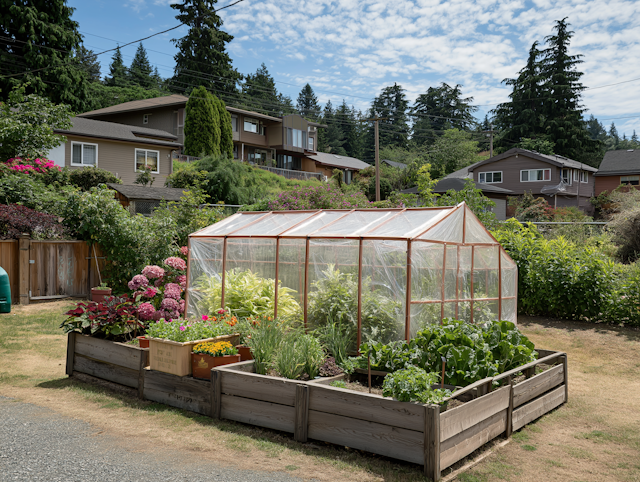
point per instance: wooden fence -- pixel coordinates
(49, 270)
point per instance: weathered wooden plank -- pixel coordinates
(302, 413)
(176, 400)
(106, 371)
(184, 388)
(107, 351)
(549, 360)
(565, 363)
(245, 366)
(71, 345)
(461, 418)
(216, 393)
(259, 387)
(464, 443)
(144, 356)
(537, 385)
(432, 442)
(327, 380)
(256, 412)
(372, 437)
(366, 406)
(469, 388)
(538, 407)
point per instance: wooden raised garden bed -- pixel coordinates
(315, 410)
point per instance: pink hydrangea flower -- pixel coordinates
(153, 271)
(150, 293)
(158, 282)
(182, 281)
(181, 307)
(138, 281)
(184, 251)
(172, 290)
(176, 263)
(146, 311)
(169, 304)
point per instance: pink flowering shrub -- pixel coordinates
(41, 166)
(184, 251)
(160, 290)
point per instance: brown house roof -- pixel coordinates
(559, 161)
(457, 184)
(120, 132)
(342, 162)
(135, 192)
(134, 105)
(620, 163)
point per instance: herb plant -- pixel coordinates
(414, 384)
(264, 342)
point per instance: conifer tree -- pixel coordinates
(394, 130)
(202, 58)
(140, 71)
(88, 62)
(50, 72)
(307, 105)
(346, 117)
(119, 75)
(259, 93)
(226, 130)
(200, 124)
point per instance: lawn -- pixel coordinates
(595, 437)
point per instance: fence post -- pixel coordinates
(301, 427)
(432, 442)
(23, 268)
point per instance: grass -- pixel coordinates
(596, 436)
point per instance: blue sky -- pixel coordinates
(351, 49)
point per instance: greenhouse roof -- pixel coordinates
(456, 225)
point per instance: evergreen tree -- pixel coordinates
(202, 58)
(307, 105)
(595, 129)
(259, 94)
(394, 130)
(157, 79)
(140, 71)
(439, 109)
(226, 129)
(200, 124)
(346, 117)
(50, 72)
(634, 137)
(333, 137)
(88, 62)
(216, 132)
(119, 75)
(613, 133)
(562, 97)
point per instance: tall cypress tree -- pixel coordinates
(202, 58)
(307, 105)
(200, 124)
(26, 26)
(140, 70)
(226, 130)
(119, 74)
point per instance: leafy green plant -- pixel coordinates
(113, 318)
(311, 353)
(186, 330)
(414, 384)
(89, 177)
(337, 338)
(288, 360)
(338, 384)
(334, 299)
(264, 342)
(246, 294)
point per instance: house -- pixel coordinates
(325, 163)
(117, 148)
(562, 181)
(285, 145)
(144, 199)
(457, 183)
(616, 168)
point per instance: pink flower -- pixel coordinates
(176, 263)
(150, 293)
(153, 271)
(172, 290)
(158, 282)
(181, 307)
(169, 304)
(138, 281)
(205, 318)
(184, 251)
(146, 311)
(182, 281)
(182, 328)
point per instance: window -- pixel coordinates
(235, 151)
(533, 175)
(263, 130)
(289, 162)
(566, 176)
(145, 119)
(251, 125)
(234, 123)
(296, 138)
(584, 176)
(147, 158)
(631, 180)
(84, 154)
(490, 177)
(311, 144)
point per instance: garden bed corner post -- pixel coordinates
(216, 394)
(301, 427)
(71, 352)
(432, 442)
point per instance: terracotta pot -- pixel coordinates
(201, 365)
(245, 352)
(98, 294)
(144, 341)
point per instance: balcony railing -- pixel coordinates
(291, 174)
(185, 158)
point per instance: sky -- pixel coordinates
(351, 49)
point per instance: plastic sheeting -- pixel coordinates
(457, 269)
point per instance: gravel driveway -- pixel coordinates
(37, 444)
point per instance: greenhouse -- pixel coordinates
(387, 272)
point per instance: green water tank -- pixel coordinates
(5, 292)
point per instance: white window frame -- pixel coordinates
(628, 181)
(570, 176)
(493, 173)
(81, 144)
(249, 120)
(310, 146)
(135, 159)
(528, 171)
(585, 175)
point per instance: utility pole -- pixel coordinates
(490, 132)
(376, 120)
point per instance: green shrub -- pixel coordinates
(89, 177)
(337, 338)
(413, 384)
(311, 353)
(32, 192)
(288, 360)
(265, 342)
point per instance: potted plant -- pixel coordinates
(100, 293)
(211, 354)
(143, 341)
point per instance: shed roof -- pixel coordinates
(455, 225)
(400, 165)
(334, 160)
(134, 192)
(620, 163)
